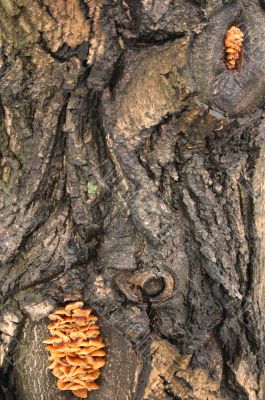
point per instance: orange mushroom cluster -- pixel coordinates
(76, 349)
(233, 46)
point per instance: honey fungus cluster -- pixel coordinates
(76, 349)
(233, 46)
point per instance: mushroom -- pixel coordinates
(78, 371)
(75, 349)
(52, 339)
(92, 386)
(76, 361)
(91, 376)
(62, 335)
(71, 306)
(84, 351)
(98, 353)
(233, 45)
(96, 343)
(54, 324)
(82, 312)
(98, 362)
(55, 317)
(80, 393)
(77, 335)
(92, 333)
(80, 320)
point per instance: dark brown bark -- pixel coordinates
(132, 166)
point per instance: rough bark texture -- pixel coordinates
(132, 170)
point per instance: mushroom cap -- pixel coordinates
(92, 333)
(61, 311)
(65, 320)
(80, 393)
(92, 386)
(56, 372)
(80, 320)
(90, 360)
(54, 324)
(92, 376)
(99, 362)
(54, 364)
(76, 361)
(63, 385)
(92, 326)
(96, 343)
(71, 306)
(75, 343)
(52, 339)
(84, 351)
(56, 354)
(62, 335)
(55, 317)
(65, 370)
(76, 386)
(99, 353)
(77, 335)
(78, 371)
(82, 312)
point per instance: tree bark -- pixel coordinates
(132, 170)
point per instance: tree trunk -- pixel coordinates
(132, 176)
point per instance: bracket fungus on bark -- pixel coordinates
(231, 91)
(233, 46)
(76, 349)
